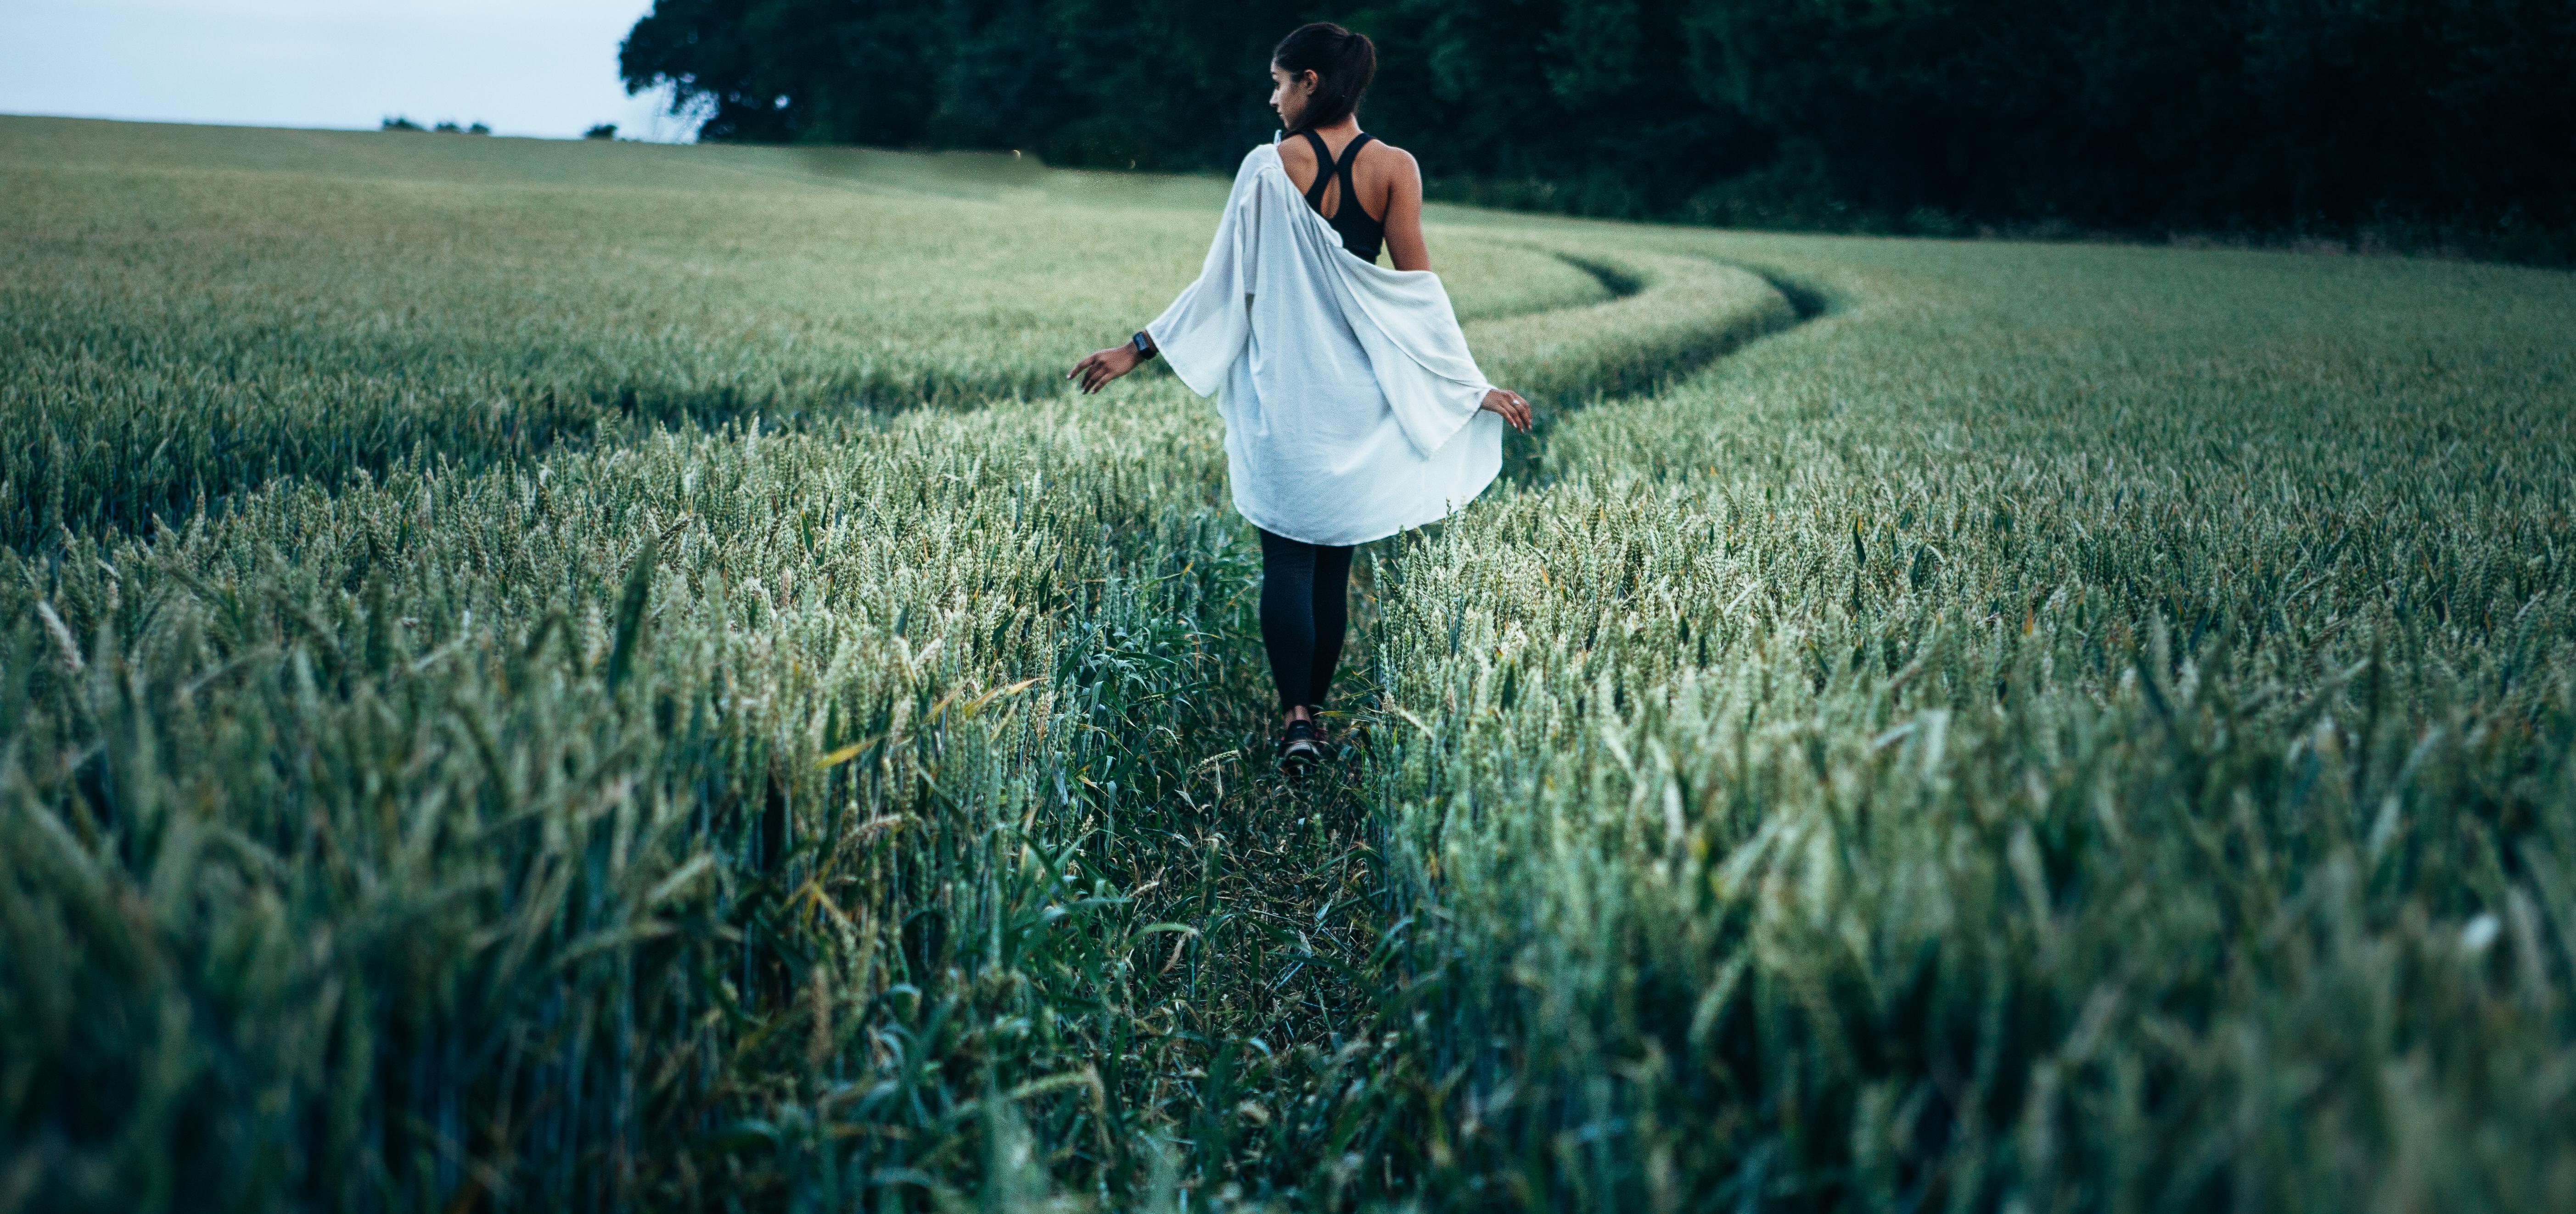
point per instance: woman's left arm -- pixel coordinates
(1404, 245)
(1101, 366)
(1200, 334)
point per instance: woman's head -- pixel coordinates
(1318, 73)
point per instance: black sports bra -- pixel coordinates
(1363, 236)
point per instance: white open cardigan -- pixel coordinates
(1351, 405)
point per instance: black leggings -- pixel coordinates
(1305, 608)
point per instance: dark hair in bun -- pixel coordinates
(1343, 63)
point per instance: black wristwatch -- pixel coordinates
(1144, 345)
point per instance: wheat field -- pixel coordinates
(596, 676)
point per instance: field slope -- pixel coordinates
(545, 675)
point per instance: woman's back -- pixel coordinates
(1331, 168)
(1342, 384)
(1352, 407)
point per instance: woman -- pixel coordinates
(1352, 408)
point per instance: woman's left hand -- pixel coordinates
(1101, 366)
(1510, 406)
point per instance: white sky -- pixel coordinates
(530, 67)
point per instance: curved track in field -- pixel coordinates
(1277, 880)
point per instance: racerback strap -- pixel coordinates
(1327, 168)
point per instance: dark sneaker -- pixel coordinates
(1299, 747)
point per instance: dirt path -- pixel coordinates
(1271, 999)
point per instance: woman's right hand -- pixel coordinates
(1509, 405)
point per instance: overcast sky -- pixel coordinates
(526, 67)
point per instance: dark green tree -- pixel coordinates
(1928, 114)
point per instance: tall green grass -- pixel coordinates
(184, 319)
(444, 789)
(2062, 727)
(2073, 729)
(465, 833)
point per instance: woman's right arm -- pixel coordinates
(1405, 248)
(1508, 405)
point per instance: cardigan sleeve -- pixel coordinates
(1416, 350)
(1204, 330)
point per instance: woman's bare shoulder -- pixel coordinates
(1390, 158)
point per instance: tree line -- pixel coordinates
(2443, 116)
